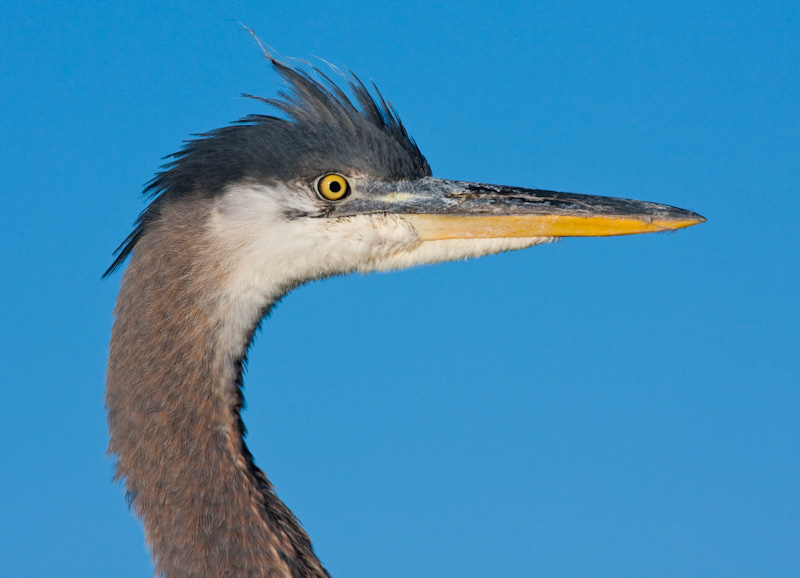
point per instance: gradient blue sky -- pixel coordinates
(599, 407)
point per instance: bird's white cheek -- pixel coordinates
(263, 248)
(367, 242)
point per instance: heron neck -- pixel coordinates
(174, 399)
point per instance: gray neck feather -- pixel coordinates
(173, 398)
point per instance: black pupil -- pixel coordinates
(335, 187)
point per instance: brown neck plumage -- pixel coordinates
(173, 397)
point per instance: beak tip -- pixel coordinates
(681, 219)
(696, 219)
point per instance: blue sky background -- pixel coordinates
(600, 407)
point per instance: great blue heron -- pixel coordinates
(240, 216)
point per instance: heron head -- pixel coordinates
(333, 183)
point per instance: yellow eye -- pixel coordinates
(333, 187)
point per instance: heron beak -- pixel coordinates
(443, 209)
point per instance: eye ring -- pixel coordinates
(332, 187)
